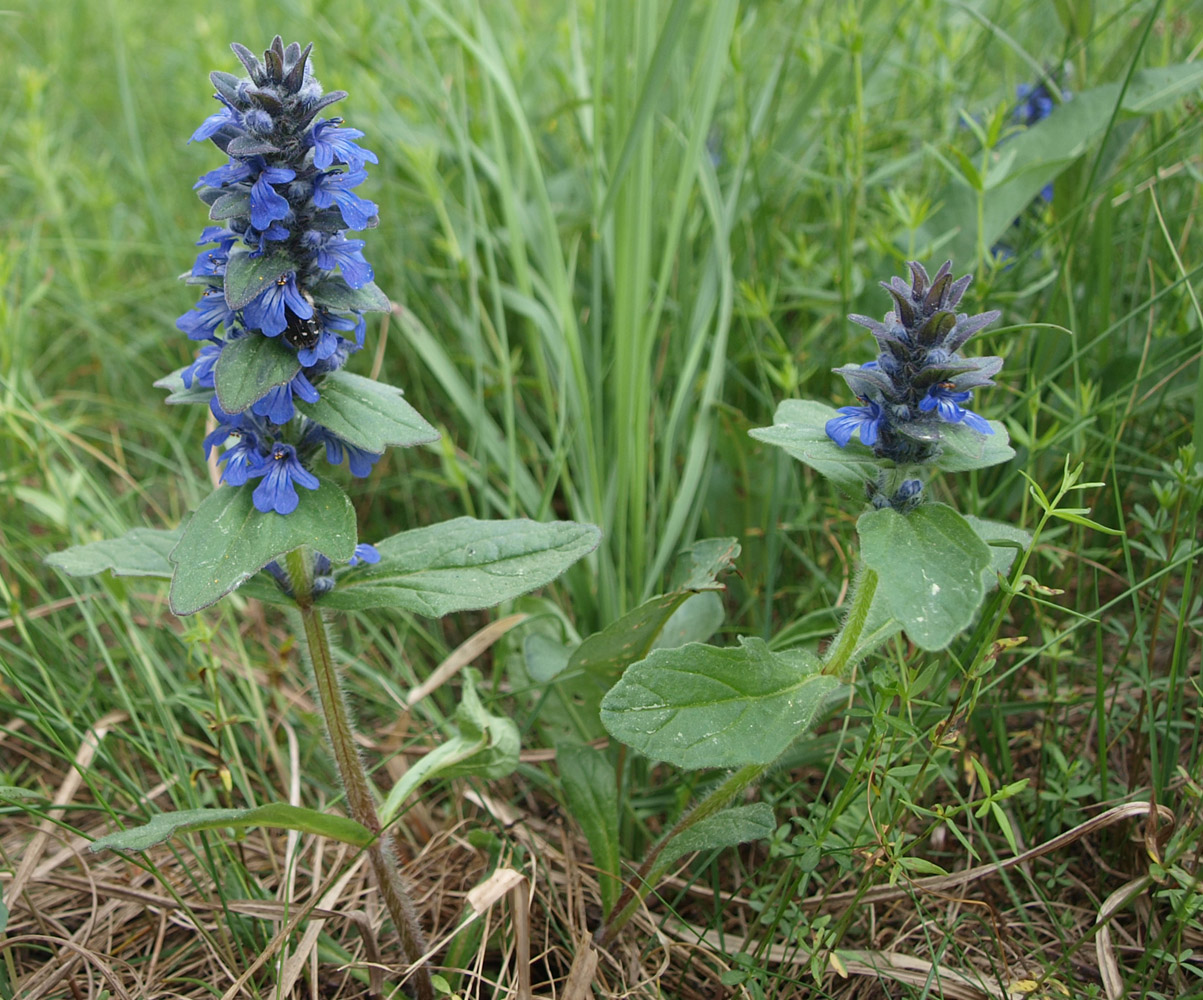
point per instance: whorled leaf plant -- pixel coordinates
(283, 295)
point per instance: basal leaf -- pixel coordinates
(249, 368)
(728, 828)
(227, 540)
(276, 814)
(799, 429)
(461, 565)
(591, 791)
(701, 706)
(366, 413)
(929, 565)
(249, 275)
(139, 552)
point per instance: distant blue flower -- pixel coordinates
(332, 143)
(864, 420)
(266, 312)
(364, 553)
(335, 189)
(280, 471)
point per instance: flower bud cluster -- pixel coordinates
(915, 387)
(285, 191)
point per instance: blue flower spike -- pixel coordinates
(285, 189)
(916, 385)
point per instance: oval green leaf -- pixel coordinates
(929, 565)
(248, 275)
(366, 413)
(461, 565)
(334, 293)
(249, 368)
(227, 540)
(701, 706)
(799, 428)
(139, 552)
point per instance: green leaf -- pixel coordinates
(3, 916)
(462, 565)
(621, 643)
(139, 552)
(15, 793)
(728, 828)
(694, 621)
(483, 745)
(230, 205)
(544, 657)
(799, 427)
(274, 814)
(700, 706)
(1006, 542)
(228, 540)
(608, 652)
(699, 565)
(180, 393)
(963, 449)
(247, 276)
(591, 792)
(930, 566)
(367, 414)
(334, 293)
(249, 368)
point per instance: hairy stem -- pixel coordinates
(354, 779)
(650, 873)
(844, 645)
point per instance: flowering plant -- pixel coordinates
(284, 293)
(925, 570)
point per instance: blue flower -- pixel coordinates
(865, 420)
(277, 405)
(943, 398)
(338, 251)
(332, 143)
(364, 553)
(200, 372)
(211, 311)
(335, 189)
(287, 179)
(244, 459)
(359, 460)
(266, 205)
(280, 471)
(266, 312)
(919, 378)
